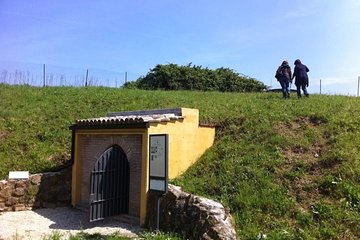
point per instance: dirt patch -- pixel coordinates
(302, 171)
(4, 134)
(301, 174)
(297, 127)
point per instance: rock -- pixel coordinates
(12, 201)
(36, 179)
(12, 182)
(19, 192)
(3, 184)
(6, 192)
(21, 184)
(2, 207)
(192, 216)
(19, 207)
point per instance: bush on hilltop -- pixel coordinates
(192, 77)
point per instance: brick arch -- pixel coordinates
(93, 146)
(124, 144)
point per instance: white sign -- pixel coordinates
(18, 174)
(157, 155)
(158, 162)
(158, 185)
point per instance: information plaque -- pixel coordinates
(158, 163)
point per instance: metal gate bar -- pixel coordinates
(109, 193)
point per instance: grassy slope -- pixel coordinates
(289, 169)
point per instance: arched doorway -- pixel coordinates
(109, 185)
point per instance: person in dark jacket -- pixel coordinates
(283, 75)
(301, 77)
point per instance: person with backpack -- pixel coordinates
(283, 75)
(301, 78)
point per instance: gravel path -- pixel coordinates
(65, 220)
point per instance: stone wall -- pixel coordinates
(52, 189)
(191, 216)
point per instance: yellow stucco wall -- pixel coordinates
(187, 142)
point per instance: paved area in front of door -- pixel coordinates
(66, 221)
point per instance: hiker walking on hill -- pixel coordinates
(283, 75)
(301, 77)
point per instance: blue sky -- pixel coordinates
(251, 37)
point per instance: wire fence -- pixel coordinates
(349, 86)
(51, 75)
(21, 73)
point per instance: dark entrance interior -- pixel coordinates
(109, 185)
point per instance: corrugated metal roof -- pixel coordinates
(133, 117)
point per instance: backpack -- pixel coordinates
(279, 73)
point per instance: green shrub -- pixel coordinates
(175, 77)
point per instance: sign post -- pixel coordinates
(158, 167)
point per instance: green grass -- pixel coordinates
(289, 169)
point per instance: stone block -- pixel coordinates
(6, 192)
(19, 207)
(12, 182)
(12, 201)
(19, 192)
(3, 184)
(25, 199)
(36, 179)
(22, 184)
(2, 207)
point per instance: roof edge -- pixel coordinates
(176, 111)
(109, 126)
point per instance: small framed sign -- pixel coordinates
(158, 163)
(19, 175)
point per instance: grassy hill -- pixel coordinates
(286, 169)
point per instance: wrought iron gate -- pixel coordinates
(109, 193)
